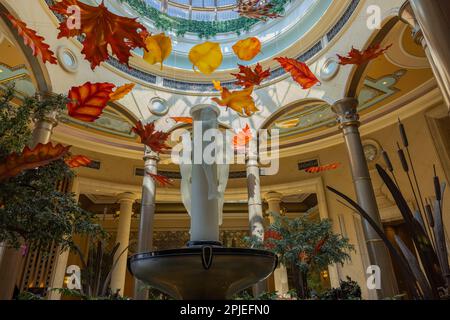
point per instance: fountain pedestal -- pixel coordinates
(203, 270)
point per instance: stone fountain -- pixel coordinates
(204, 269)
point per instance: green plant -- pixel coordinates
(97, 270)
(78, 295)
(348, 290)
(204, 29)
(33, 210)
(26, 295)
(246, 295)
(428, 276)
(304, 245)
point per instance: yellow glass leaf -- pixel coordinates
(247, 49)
(206, 57)
(240, 101)
(287, 124)
(158, 49)
(217, 85)
(121, 92)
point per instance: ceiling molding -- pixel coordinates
(422, 98)
(169, 195)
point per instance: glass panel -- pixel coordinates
(203, 15)
(185, 2)
(227, 15)
(178, 12)
(223, 3)
(210, 3)
(154, 3)
(197, 3)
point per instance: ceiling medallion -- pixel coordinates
(329, 69)
(67, 59)
(158, 106)
(372, 150)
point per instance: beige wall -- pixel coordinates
(424, 155)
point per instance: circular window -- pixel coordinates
(67, 59)
(158, 106)
(372, 150)
(329, 69)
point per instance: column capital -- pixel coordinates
(151, 155)
(407, 15)
(197, 110)
(251, 159)
(50, 117)
(347, 112)
(273, 196)
(127, 197)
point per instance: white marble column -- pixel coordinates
(126, 201)
(43, 130)
(348, 118)
(430, 20)
(255, 212)
(146, 225)
(280, 275)
(10, 258)
(59, 271)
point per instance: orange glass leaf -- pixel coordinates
(162, 181)
(356, 57)
(247, 49)
(269, 236)
(320, 244)
(78, 161)
(88, 101)
(303, 257)
(288, 124)
(319, 169)
(217, 85)
(102, 29)
(41, 155)
(248, 77)
(144, 34)
(240, 101)
(155, 140)
(33, 40)
(121, 92)
(299, 71)
(243, 137)
(182, 119)
(256, 9)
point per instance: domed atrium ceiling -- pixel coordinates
(184, 124)
(192, 21)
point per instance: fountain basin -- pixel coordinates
(203, 272)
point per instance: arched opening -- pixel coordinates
(36, 69)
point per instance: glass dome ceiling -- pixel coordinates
(200, 10)
(205, 18)
(276, 35)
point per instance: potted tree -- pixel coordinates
(33, 210)
(303, 245)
